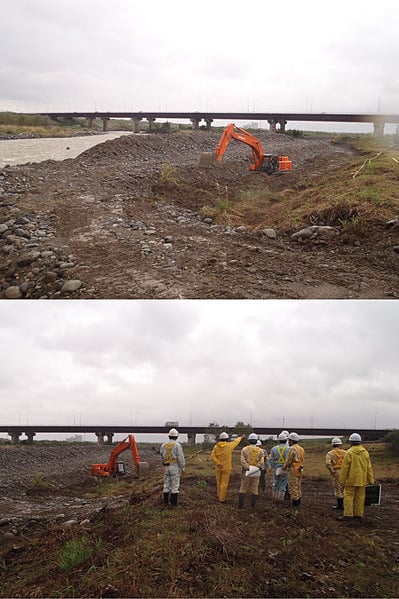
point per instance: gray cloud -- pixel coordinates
(321, 362)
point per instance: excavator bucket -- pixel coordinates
(207, 159)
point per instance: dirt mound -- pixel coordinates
(137, 217)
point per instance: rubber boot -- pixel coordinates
(254, 499)
(241, 500)
(296, 502)
(287, 494)
(173, 499)
(340, 503)
(166, 498)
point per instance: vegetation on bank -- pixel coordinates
(352, 197)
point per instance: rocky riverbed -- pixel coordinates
(112, 223)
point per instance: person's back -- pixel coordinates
(356, 467)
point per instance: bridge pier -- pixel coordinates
(282, 124)
(105, 120)
(379, 129)
(273, 125)
(15, 435)
(208, 124)
(151, 122)
(195, 121)
(136, 125)
(90, 121)
(191, 439)
(30, 437)
(104, 437)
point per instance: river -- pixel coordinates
(22, 151)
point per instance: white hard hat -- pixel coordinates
(355, 437)
(223, 436)
(259, 442)
(283, 436)
(286, 433)
(173, 433)
(336, 441)
(253, 437)
(293, 437)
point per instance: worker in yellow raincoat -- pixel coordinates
(356, 473)
(221, 456)
(294, 464)
(334, 459)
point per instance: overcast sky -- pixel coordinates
(226, 55)
(321, 363)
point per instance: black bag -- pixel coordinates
(373, 495)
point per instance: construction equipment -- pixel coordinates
(117, 468)
(265, 163)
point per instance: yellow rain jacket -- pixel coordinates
(356, 469)
(222, 452)
(334, 459)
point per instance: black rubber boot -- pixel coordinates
(296, 502)
(241, 500)
(340, 503)
(173, 499)
(254, 499)
(166, 498)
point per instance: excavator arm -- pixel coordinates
(115, 468)
(233, 132)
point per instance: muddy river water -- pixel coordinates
(22, 151)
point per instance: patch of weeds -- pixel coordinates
(371, 194)
(354, 225)
(76, 552)
(168, 175)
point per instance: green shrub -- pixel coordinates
(75, 553)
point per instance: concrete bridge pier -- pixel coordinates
(273, 125)
(191, 439)
(195, 121)
(104, 437)
(100, 438)
(282, 124)
(208, 124)
(379, 129)
(136, 125)
(30, 438)
(90, 121)
(105, 120)
(15, 437)
(151, 122)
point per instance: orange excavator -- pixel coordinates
(117, 468)
(265, 163)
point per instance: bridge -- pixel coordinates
(274, 119)
(105, 433)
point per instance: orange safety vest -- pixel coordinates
(298, 464)
(340, 454)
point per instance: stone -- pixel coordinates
(270, 233)
(396, 249)
(71, 286)
(13, 292)
(28, 258)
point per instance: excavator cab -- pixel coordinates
(269, 164)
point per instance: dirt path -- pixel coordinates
(104, 221)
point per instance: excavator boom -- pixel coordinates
(115, 468)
